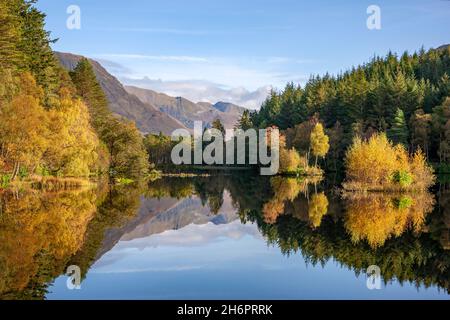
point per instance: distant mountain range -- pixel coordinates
(187, 111)
(155, 112)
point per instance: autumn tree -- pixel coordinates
(74, 147)
(319, 142)
(378, 164)
(127, 154)
(23, 127)
(318, 207)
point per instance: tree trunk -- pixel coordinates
(15, 171)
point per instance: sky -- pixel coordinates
(225, 261)
(237, 50)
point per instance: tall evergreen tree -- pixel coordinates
(399, 130)
(245, 122)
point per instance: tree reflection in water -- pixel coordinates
(406, 235)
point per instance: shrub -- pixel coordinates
(403, 202)
(290, 161)
(5, 181)
(402, 178)
(377, 164)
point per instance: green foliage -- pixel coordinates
(216, 124)
(403, 202)
(402, 178)
(5, 180)
(23, 172)
(245, 121)
(384, 95)
(399, 131)
(124, 181)
(159, 148)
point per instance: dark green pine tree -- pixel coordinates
(292, 110)
(34, 42)
(88, 88)
(245, 122)
(216, 124)
(399, 130)
(10, 56)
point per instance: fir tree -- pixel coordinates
(399, 130)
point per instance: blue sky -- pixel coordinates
(229, 261)
(235, 50)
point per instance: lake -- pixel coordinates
(224, 237)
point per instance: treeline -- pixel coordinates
(53, 123)
(405, 96)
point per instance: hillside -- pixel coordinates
(147, 117)
(187, 111)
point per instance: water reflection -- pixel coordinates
(41, 233)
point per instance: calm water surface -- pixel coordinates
(224, 237)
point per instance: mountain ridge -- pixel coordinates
(155, 112)
(187, 111)
(148, 118)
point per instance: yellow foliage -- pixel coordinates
(60, 139)
(23, 125)
(290, 160)
(319, 141)
(318, 207)
(37, 224)
(73, 151)
(371, 165)
(378, 217)
(285, 189)
(421, 171)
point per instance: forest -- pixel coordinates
(54, 124)
(57, 124)
(406, 96)
(391, 115)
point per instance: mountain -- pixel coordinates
(156, 216)
(148, 118)
(443, 47)
(228, 107)
(187, 111)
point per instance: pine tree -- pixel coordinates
(216, 124)
(245, 122)
(10, 56)
(88, 88)
(399, 130)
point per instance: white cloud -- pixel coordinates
(245, 81)
(193, 235)
(204, 91)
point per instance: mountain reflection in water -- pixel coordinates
(232, 225)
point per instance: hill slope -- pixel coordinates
(147, 117)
